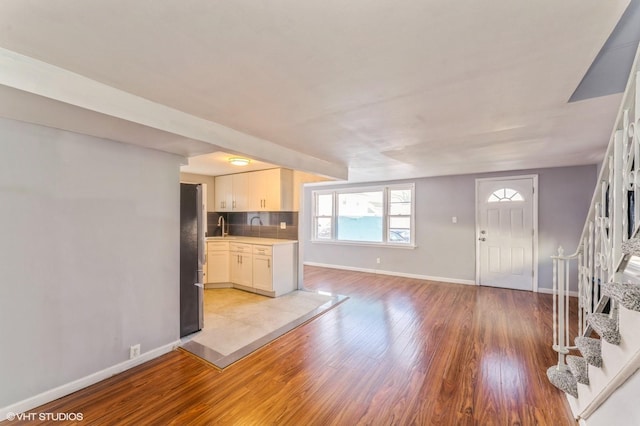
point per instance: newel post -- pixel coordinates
(559, 295)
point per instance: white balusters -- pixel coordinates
(610, 221)
(561, 334)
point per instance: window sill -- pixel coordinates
(365, 244)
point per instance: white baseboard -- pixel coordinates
(76, 385)
(550, 291)
(393, 273)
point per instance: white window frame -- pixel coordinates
(385, 189)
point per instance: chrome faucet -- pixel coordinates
(221, 224)
(251, 221)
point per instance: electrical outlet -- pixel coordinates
(283, 225)
(378, 260)
(134, 351)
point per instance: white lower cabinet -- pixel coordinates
(262, 271)
(271, 270)
(240, 264)
(217, 262)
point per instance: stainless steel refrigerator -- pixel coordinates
(191, 258)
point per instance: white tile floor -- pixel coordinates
(237, 322)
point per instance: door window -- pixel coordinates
(505, 194)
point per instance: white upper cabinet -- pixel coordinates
(240, 192)
(223, 193)
(271, 190)
(264, 190)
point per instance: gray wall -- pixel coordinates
(89, 248)
(447, 250)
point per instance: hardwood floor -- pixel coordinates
(398, 352)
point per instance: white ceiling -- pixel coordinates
(217, 163)
(388, 89)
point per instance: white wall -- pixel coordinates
(621, 408)
(447, 250)
(89, 255)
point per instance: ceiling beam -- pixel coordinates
(32, 76)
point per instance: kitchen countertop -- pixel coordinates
(251, 240)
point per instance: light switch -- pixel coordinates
(454, 219)
(283, 225)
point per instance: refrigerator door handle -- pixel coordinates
(199, 285)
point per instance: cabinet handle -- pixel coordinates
(269, 263)
(233, 204)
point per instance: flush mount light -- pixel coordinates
(236, 161)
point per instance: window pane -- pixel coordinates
(360, 204)
(400, 202)
(399, 236)
(400, 195)
(324, 228)
(400, 208)
(400, 222)
(360, 216)
(325, 205)
(505, 194)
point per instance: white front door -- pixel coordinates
(506, 231)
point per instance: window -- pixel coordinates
(324, 216)
(373, 215)
(505, 194)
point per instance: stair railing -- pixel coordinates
(613, 217)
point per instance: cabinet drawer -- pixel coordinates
(217, 246)
(263, 250)
(240, 247)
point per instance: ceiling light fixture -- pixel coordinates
(236, 161)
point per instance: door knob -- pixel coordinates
(482, 239)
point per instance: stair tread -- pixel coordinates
(563, 380)
(606, 327)
(631, 246)
(591, 350)
(578, 367)
(627, 294)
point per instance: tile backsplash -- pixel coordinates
(255, 224)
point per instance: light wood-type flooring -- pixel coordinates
(398, 352)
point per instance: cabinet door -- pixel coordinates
(217, 266)
(240, 192)
(223, 193)
(241, 269)
(262, 276)
(265, 190)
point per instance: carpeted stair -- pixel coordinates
(578, 367)
(591, 350)
(577, 370)
(563, 380)
(628, 295)
(631, 246)
(605, 326)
